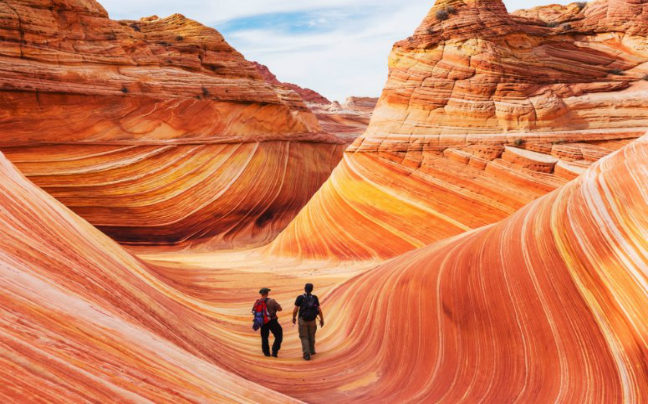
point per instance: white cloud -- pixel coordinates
(343, 53)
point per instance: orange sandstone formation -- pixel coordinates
(82, 320)
(483, 113)
(156, 130)
(547, 305)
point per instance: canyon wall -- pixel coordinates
(155, 130)
(483, 112)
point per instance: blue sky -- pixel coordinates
(336, 47)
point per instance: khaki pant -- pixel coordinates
(307, 330)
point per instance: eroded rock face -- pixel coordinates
(482, 70)
(151, 126)
(483, 113)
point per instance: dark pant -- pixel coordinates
(307, 330)
(277, 332)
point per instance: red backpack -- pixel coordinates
(261, 315)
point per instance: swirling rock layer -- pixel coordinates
(82, 320)
(398, 201)
(548, 305)
(199, 195)
(156, 130)
(483, 112)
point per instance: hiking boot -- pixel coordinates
(306, 356)
(274, 354)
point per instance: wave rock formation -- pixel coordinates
(483, 113)
(83, 320)
(547, 305)
(156, 131)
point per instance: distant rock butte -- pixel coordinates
(361, 104)
(157, 130)
(348, 120)
(483, 112)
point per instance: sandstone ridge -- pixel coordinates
(168, 130)
(483, 112)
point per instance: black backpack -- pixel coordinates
(308, 309)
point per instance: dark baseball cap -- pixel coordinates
(263, 291)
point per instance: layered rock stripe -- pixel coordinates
(483, 112)
(82, 320)
(547, 305)
(198, 196)
(162, 118)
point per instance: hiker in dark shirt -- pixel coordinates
(271, 326)
(308, 307)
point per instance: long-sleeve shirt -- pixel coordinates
(273, 307)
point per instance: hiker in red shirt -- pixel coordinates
(265, 317)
